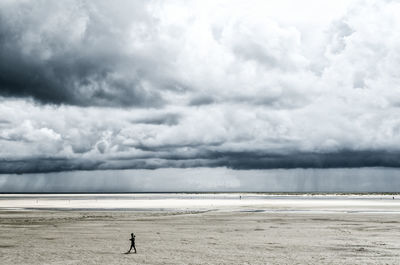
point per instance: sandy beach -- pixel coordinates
(199, 229)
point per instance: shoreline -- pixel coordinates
(204, 202)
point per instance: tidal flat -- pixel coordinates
(191, 229)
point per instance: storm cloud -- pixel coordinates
(70, 53)
(95, 85)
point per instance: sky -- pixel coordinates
(221, 86)
(327, 180)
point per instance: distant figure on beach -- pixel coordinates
(132, 242)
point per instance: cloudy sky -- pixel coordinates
(225, 85)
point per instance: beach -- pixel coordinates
(199, 229)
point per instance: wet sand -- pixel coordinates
(273, 231)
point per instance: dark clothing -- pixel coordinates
(132, 244)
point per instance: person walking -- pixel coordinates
(132, 243)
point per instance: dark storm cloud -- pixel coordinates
(45, 165)
(343, 159)
(83, 83)
(233, 160)
(264, 160)
(82, 68)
